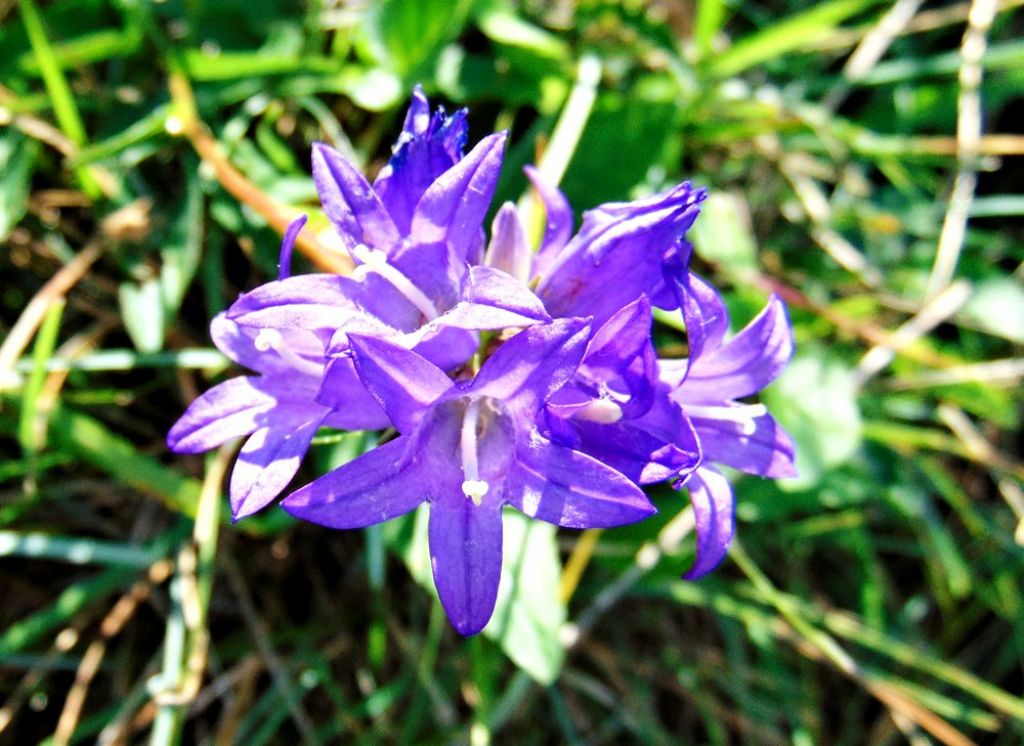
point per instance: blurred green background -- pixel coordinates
(864, 160)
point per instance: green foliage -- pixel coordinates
(875, 599)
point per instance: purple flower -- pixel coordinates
(277, 409)
(616, 409)
(562, 412)
(708, 387)
(467, 449)
(623, 250)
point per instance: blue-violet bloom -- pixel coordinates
(467, 449)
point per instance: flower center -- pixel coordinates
(472, 487)
(271, 340)
(375, 260)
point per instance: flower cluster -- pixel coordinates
(500, 375)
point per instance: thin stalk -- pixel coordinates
(64, 106)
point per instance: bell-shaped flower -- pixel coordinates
(616, 409)
(276, 409)
(623, 250)
(468, 448)
(709, 386)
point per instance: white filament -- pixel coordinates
(374, 260)
(271, 340)
(473, 487)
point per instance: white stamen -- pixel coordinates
(743, 414)
(601, 411)
(473, 487)
(374, 260)
(268, 340)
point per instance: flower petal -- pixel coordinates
(619, 254)
(746, 363)
(745, 437)
(508, 250)
(558, 216)
(350, 202)
(403, 382)
(374, 488)
(235, 342)
(322, 303)
(713, 512)
(493, 287)
(534, 364)
(453, 207)
(352, 406)
(228, 410)
(657, 446)
(465, 555)
(428, 146)
(568, 488)
(269, 459)
(707, 320)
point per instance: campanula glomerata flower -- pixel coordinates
(468, 448)
(502, 374)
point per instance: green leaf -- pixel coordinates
(142, 307)
(182, 248)
(625, 137)
(18, 156)
(504, 27)
(997, 307)
(408, 35)
(815, 399)
(784, 36)
(148, 304)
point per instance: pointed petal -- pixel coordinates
(448, 348)
(707, 320)
(568, 488)
(508, 250)
(624, 335)
(374, 488)
(234, 341)
(745, 437)
(323, 303)
(619, 254)
(352, 406)
(621, 357)
(284, 264)
(428, 146)
(464, 317)
(493, 287)
(434, 269)
(535, 363)
(746, 363)
(350, 202)
(453, 207)
(404, 383)
(465, 554)
(228, 410)
(312, 302)
(713, 511)
(559, 219)
(269, 459)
